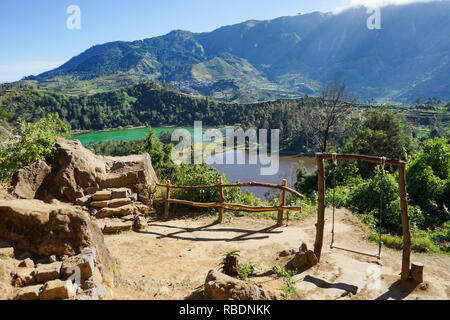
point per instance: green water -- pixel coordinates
(125, 134)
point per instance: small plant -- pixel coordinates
(246, 270)
(230, 264)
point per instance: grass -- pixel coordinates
(287, 275)
(420, 240)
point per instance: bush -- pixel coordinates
(201, 175)
(37, 142)
(365, 199)
(428, 180)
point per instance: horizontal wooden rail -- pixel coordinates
(220, 206)
(230, 205)
(247, 184)
(357, 157)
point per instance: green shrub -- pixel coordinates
(202, 175)
(37, 142)
(428, 181)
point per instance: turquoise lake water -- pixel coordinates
(124, 134)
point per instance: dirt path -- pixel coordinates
(170, 260)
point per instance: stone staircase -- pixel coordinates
(115, 210)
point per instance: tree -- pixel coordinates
(331, 108)
(382, 133)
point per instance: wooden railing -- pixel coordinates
(224, 205)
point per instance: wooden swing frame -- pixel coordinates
(320, 159)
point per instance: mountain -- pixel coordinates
(284, 57)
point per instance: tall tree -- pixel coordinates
(330, 109)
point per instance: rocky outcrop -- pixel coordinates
(27, 181)
(78, 172)
(219, 286)
(46, 229)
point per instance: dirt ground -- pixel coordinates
(170, 260)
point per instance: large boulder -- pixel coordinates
(26, 181)
(219, 286)
(78, 172)
(49, 229)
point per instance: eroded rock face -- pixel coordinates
(47, 229)
(78, 172)
(219, 286)
(27, 180)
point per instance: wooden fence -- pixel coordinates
(224, 205)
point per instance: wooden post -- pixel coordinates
(320, 205)
(222, 200)
(166, 204)
(417, 271)
(405, 223)
(282, 201)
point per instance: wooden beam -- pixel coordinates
(166, 204)
(406, 256)
(320, 206)
(357, 157)
(282, 199)
(247, 184)
(222, 200)
(242, 207)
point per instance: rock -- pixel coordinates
(79, 172)
(115, 203)
(6, 250)
(102, 195)
(286, 253)
(23, 277)
(299, 260)
(142, 208)
(82, 201)
(117, 212)
(99, 204)
(58, 289)
(116, 226)
(46, 229)
(120, 193)
(47, 272)
(27, 181)
(219, 286)
(28, 293)
(303, 247)
(23, 254)
(140, 223)
(312, 258)
(27, 263)
(85, 264)
(133, 197)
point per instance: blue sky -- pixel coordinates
(35, 38)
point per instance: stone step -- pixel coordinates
(102, 195)
(116, 226)
(114, 203)
(117, 212)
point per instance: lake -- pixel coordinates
(288, 165)
(124, 134)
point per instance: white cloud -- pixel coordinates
(16, 70)
(377, 3)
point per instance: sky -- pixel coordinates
(35, 38)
